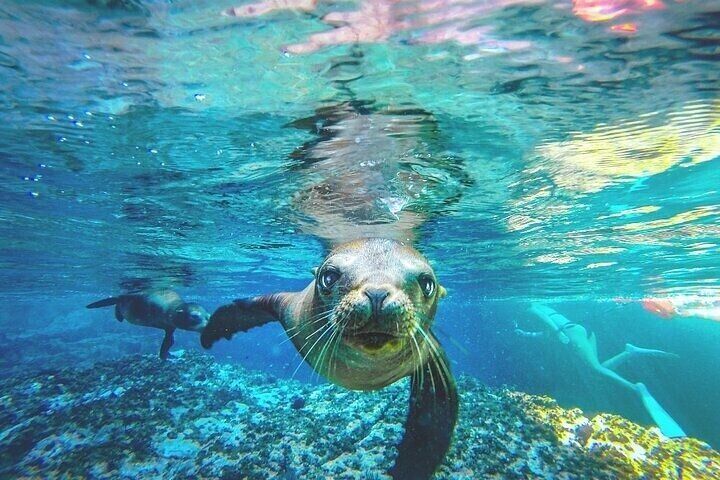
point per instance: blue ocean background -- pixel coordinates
(150, 144)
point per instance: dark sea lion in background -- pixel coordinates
(163, 309)
(364, 323)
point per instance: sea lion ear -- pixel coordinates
(441, 292)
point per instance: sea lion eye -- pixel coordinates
(327, 278)
(427, 284)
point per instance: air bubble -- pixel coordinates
(200, 97)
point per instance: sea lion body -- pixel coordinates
(364, 323)
(163, 309)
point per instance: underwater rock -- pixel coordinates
(298, 403)
(194, 418)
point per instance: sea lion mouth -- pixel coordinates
(374, 342)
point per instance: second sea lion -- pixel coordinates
(163, 309)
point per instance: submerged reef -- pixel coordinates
(191, 417)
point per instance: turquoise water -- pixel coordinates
(563, 152)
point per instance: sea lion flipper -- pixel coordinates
(106, 302)
(240, 316)
(430, 422)
(167, 342)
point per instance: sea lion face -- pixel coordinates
(380, 295)
(191, 316)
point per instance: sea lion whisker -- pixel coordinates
(418, 365)
(438, 361)
(432, 376)
(417, 369)
(312, 320)
(324, 350)
(300, 330)
(299, 349)
(315, 316)
(327, 327)
(338, 340)
(309, 337)
(297, 333)
(435, 356)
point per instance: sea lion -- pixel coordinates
(364, 323)
(163, 309)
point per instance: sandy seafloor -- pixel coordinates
(192, 417)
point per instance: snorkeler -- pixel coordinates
(584, 346)
(434, 21)
(163, 309)
(700, 306)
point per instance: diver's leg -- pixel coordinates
(632, 351)
(614, 376)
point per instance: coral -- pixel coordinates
(194, 418)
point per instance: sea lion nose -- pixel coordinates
(377, 296)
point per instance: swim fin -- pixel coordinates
(630, 348)
(660, 416)
(633, 351)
